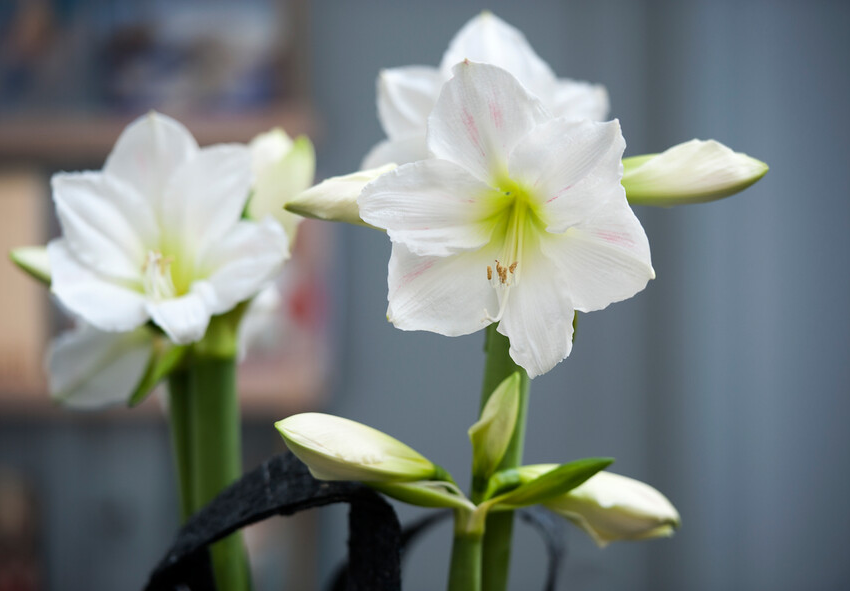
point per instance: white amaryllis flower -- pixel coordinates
(519, 219)
(335, 448)
(158, 235)
(610, 507)
(282, 169)
(407, 95)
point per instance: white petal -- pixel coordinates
(488, 39)
(184, 319)
(570, 169)
(268, 148)
(398, 151)
(205, 197)
(433, 207)
(281, 180)
(107, 224)
(482, 113)
(603, 260)
(89, 368)
(243, 262)
(148, 152)
(574, 99)
(405, 99)
(335, 198)
(538, 317)
(447, 295)
(692, 172)
(106, 305)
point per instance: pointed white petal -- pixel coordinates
(490, 40)
(268, 148)
(106, 305)
(405, 98)
(33, 260)
(184, 319)
(89, 368)
(447, 295)
(281, 180)
(603, 260)
(107, 224)
(433, 207)
(538, 317)
(240, 264)
(148, 152)
(570, 169)
(205, 197)
(481, 115)
(692, 172)
(335, 198)
(398, 151)
(574, 99)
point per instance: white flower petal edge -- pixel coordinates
(89, 368)
(407, 95)
(522, 221)
(146, 237)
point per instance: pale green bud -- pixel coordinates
(282, 169)
(610, 507)
(693, 172)
(33, 260)
(492, 433)
(339, 449)
(335, 199)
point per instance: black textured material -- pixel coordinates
(283, 486)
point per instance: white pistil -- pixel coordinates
(156, 276)
(506, 275)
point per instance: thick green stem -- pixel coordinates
(179, 393)
(499, 528)
(217, 455)
(465, 570)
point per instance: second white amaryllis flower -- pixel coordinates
(519, 219)
(158, 235)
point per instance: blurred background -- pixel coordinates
(724, 384)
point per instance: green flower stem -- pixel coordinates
(217, 454)
(499, 526)
(465, 570)
(181, 438)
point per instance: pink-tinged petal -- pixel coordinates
(405, 99)
(570, 169)
(538, 318)
(107, 224)
(206, 196)
(184, 319)
(433, 207)
(243, 262)
(574, 99)
(603, 260)
(490, 40)
(89, 368)
(102, 303)
(481, 115)
(148, 152)
(447, 295)
(400, 151)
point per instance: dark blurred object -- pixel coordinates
(19, 561)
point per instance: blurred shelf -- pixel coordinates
(67, 139)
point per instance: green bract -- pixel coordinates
(492, 433)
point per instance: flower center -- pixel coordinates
(156, 276)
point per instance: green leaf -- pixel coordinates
(165, 357)
(425, 493)
(492, 433)
(33, 261)
(553, 483)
